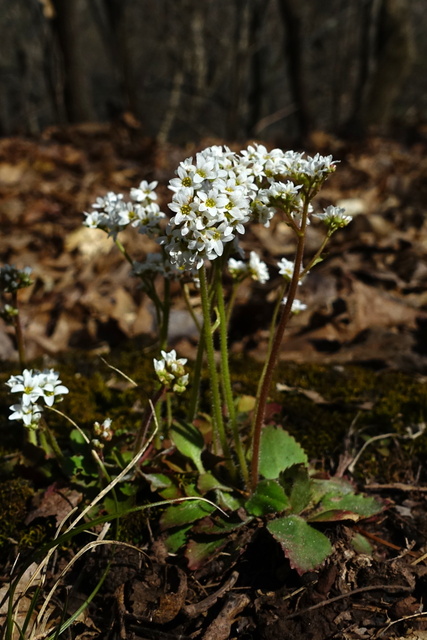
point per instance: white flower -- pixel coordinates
(29, 384)
(29, 414)
(258, 268)
(52, 387)
(170, 371)
(286, 268)
(103, 430)
(35, 386)
(212, 203)
(334, 217)
(238, 269)
(185, 173)
(284, 189)
(111, 214)
(297, 305)
(145, 192)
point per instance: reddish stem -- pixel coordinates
(275, 349)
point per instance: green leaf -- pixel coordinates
(184, 513)
(361, 544)
(336, 486)
(226, 501)
(165, 485)
(305, 547)
(208, 482)
(198, 552)
(177, 538)
(336, 500)
(278, 451)
(217, 525)
(348, 507)
(269, 497)
(189, 441)
(296, 482)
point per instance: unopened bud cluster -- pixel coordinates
(170, 371)
(13, 279)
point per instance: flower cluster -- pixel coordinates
(103, 430)
(112, 214)
(334, 217)
(35, 386)
(255, 268)
(286, 269)
(170, 371)
(211, 203)
(215, 195)
(12, 279)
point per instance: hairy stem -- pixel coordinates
(225, 372)
(219, 436)
(275, 348)
(197, 374)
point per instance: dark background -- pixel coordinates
(191, 69)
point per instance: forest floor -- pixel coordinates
(366, 307)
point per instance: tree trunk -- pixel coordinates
(292, 49)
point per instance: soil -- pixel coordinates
(367, 305)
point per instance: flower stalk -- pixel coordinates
(219, 436)
(225, 373)
(266, 379)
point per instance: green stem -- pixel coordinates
(197, 374)
(225, 372)
(316, 256)
(273, 324)
(31, 436)
(123, 251)
(189, 306)
(275, 349)
(219, 437)
(232, 301)
(52, 443)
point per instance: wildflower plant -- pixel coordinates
(259, 470)
(12, 280)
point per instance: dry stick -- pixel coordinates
(390, 624)
(193, 610)
(342, 596)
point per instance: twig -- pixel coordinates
(409, 436)
(193, 610)
(398, 486)
(342, 596)
(390, 624)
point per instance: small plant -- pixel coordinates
(228, 453)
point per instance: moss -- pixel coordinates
(14, 498)
(378, 402)
(374, 402)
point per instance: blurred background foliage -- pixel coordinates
(183, 70)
